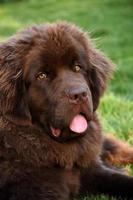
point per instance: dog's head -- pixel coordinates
(52, 76)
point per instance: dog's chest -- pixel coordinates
(72, 180)
(63, 184)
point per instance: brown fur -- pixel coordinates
(33, 163)
(116, 152)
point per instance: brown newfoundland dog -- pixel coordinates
(51, 146)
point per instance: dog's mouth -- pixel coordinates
(77, 127)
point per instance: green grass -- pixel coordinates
(102, 197)
(111, 23)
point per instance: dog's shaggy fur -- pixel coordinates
(50, 74)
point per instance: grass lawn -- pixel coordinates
(110, 22)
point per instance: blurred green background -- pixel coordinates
(110, 23)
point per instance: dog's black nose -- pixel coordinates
(77, 95)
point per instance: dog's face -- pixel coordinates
(63, 77)
(57, 87)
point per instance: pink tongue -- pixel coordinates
(78, 124)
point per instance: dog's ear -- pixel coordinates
(18, 112)
(100, 71)
(13, 104)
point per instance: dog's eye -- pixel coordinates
(76, 68)
(41, 76)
